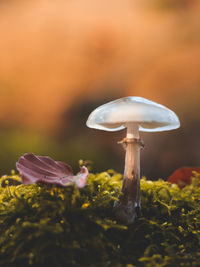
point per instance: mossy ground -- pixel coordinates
(45, 225)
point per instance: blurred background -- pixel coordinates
(61, 59)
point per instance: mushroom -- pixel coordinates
(136, 114)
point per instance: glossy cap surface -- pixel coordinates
(148, 115)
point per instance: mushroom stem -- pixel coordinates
(132, 163)
(129, 204)
(132, 131)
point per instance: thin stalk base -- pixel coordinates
(128, 206)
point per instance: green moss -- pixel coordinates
(45, 225)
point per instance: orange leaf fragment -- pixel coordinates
(182, 176)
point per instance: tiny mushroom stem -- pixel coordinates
(132, 130)
(132, 161)
(129, 204)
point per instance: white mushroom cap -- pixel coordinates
(150, 116)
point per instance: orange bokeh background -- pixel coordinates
(61, 59)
